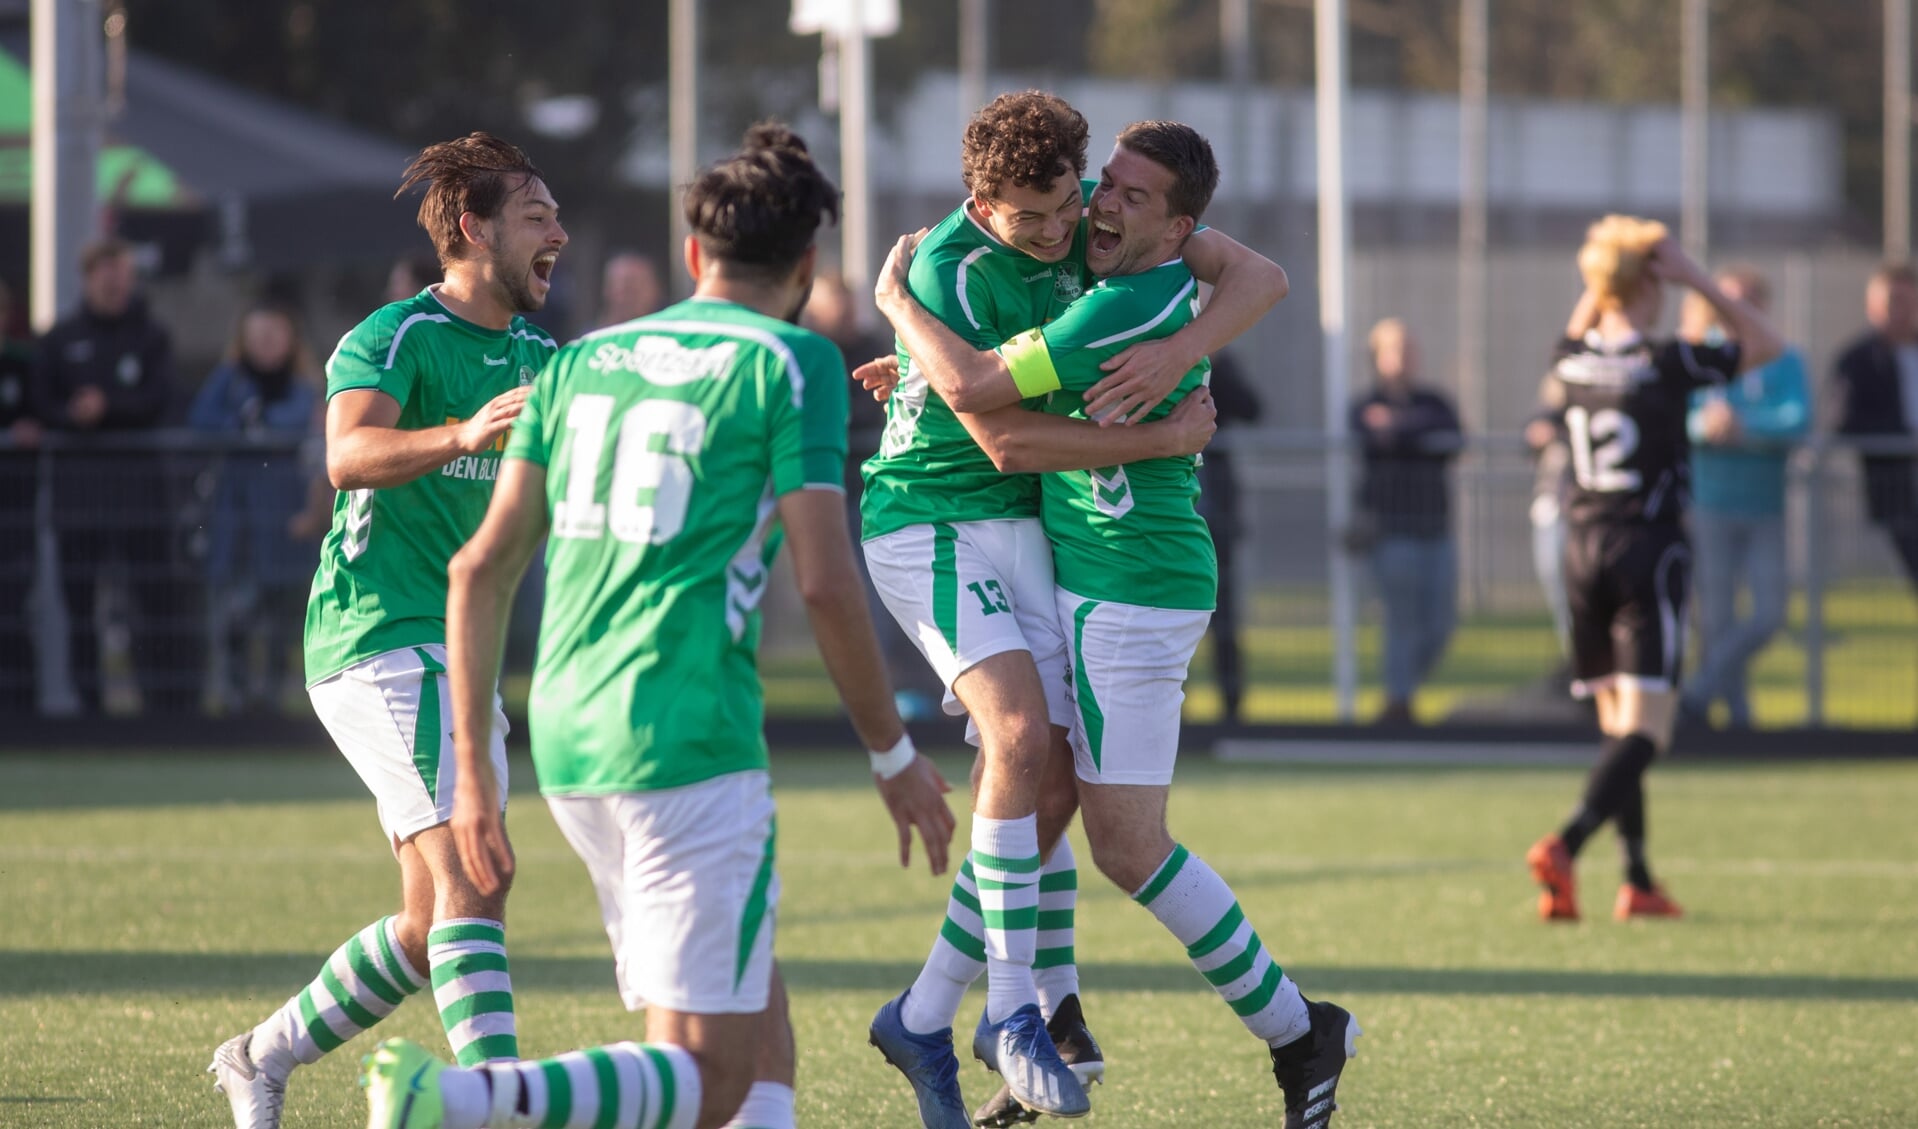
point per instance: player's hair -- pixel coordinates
(1612, 260)
(1186, 154)
(477, 173)
(760, 208)
(1895, 270)
(1029, 140)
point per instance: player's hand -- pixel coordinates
(1193, 423)
(879, 376)
(917, 798)
(479, 831)
(1668, 260)
(1137, 380)
(493, 420)
(890, 287)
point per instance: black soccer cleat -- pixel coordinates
(1077, 1049)
(1308, 1067)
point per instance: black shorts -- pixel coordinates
(1626, 585)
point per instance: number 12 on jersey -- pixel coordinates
(651, 488)
(1601, 441)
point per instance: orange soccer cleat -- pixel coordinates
(1634, 902)
(1551, 867)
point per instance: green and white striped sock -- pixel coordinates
(1005, 860)
(473, 988)
(958, 957)
(1198, 907)
(1055, 971)
(768, 1105)
(621, 1086)
(360, 984)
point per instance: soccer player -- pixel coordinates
(420, 397)
(1624, 394)
(1136, 581)
(956, 551)
(659, 455)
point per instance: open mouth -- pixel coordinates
(543, 266)
(1105, 238)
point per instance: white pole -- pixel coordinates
(855, 171)
(1897, 144)
(975, 55)
(1235, 33)
(682, 121)
(1694, 133)
(1334, 251)
(68, 119)
(1474, 385)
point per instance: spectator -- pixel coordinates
(19, 490)
(410, 275)
(629, 288)
(1874, 394)
(1409, 435)
(1741, 434)
(831, 312)
(101, 374)
(258, 566)
(1219, 506)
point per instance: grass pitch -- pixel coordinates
(150, 906)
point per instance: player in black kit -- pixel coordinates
(1627, 564)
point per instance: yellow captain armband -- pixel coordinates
(1030, 363)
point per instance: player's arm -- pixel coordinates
(829, 586)
(1245, 287)
(365, 450)
(481, 580)
(1584, 316)
(1027, 442)
(967, 379)
(1758, 343)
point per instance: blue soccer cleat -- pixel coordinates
(1019, 1050)
(927, 1062)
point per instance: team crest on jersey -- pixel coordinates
(1066, 284)
(1111, 492)
(525, 375)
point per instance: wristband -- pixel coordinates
(893, 761)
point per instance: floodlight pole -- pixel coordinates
(855, 169)
(1474, 385)
(1897, 143)
(1694, 132)
(682, 122)
(975, 55)
(69, 117)
(1235, 34)
(1334, 300)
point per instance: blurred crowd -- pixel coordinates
(144, 572)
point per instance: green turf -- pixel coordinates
(150, 906)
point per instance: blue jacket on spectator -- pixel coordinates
(1773, 403)
(258, 492)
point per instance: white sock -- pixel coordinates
(360, 984)
(768, 1105)
(1005, 861)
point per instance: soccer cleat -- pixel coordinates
(402, 1085)
(1308, 1067)
(258, 1098)
(927, 1061)
(1077, 1049)
(1551, 867)
(1019, 1049)
(1634, 902)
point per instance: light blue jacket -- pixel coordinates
(1747, 479)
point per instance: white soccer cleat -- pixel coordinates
(256, 1095)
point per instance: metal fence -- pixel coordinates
(158, 573)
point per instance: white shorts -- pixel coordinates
(687, 889)
(392, 716)
(968, 591)
(1128, 686)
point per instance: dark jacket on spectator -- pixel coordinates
(129, 357)
(1866, 398)
(258, 492)
(1237, 403)
(1405, 488)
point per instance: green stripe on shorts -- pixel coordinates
(945, 583)
(426, 725)
(1090, 715)
(754, 915)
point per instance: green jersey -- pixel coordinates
(667, 442)
(928, 468)
(1122, 534)
(381, 584)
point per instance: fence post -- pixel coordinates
(1815, 588)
